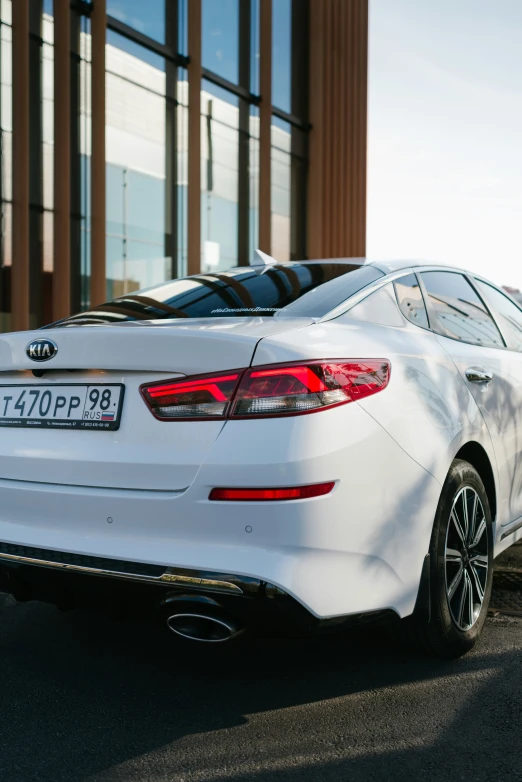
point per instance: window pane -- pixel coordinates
(221, 38)
(219, 178)
(182, 171)
(183, 27)
(459, 312)
(281, 54)
(335, 292)
(6, 11)
(411, 300)
(281, 188)
(6, 110)
(235, 293)
(253, 232)
(5, 266)
(81, 223)
(508, 315)
(148, 18)
(136, 169)
(379, 308)
(254, 47)
(288, 191)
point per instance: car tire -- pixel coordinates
(461, 567)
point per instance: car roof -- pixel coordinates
(389, 266)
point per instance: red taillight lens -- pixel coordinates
(262, 495)
(290, 389)
(205, 396)
(304, 388)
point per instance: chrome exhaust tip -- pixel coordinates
(204, 627)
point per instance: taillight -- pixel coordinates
(201, 397)
(303, 388)
(274, 495)
(289, 389)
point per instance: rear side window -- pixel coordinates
(296, 288)
(411, 300)
(379, 307)
(508, 315)
(457, 311)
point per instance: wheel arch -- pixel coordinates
(475, 454)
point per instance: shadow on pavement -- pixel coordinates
(83, 697)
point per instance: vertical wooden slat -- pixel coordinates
(194, 131)
(20, 258)
(265, 126)
(62, 161)
(363, 120)
(338, 109)
(326, 161)
(98, 175)
(314, 239)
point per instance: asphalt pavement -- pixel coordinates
(83, 697)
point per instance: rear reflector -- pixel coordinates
(262, 495)
(289, 389)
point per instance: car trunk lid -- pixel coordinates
(143, 453)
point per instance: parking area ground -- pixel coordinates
(86, 698)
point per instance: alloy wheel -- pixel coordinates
(466, 558)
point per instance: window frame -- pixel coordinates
(492, 310)
(432, 315)
(423, 295)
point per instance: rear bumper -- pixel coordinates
(126, 588)
(358, 549)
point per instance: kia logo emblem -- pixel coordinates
(41, 349)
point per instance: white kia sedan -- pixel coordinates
(282, 447)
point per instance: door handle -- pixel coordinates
(478, 375)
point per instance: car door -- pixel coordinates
(491, 370)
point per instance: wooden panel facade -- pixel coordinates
(338, 138)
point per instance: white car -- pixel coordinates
(291, 448)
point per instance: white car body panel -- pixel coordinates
(499, 402)
(141, 493)
(183, 346)
(343, 553)
(427, 409)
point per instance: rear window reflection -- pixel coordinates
(247, 292)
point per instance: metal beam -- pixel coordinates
(265, 126)
(194, 132)
(20, 257)
(62, 161)
(98, 197)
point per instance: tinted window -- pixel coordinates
(458, 310)
(325, 298)
(411, 300)
(246, 292)
(508, 315)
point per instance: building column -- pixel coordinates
(98, 196)
(194, 140)
(20, 258)
(265, 126)
(62, 161)
(338, 139)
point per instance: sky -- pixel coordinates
(445, 134)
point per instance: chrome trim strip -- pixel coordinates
(351, 301)
(16, 483)
(169, 577)
(511, 528)
(206, 584)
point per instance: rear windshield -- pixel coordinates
(244, 292)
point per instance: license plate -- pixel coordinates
(67, 406)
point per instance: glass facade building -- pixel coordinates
(150, 141)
